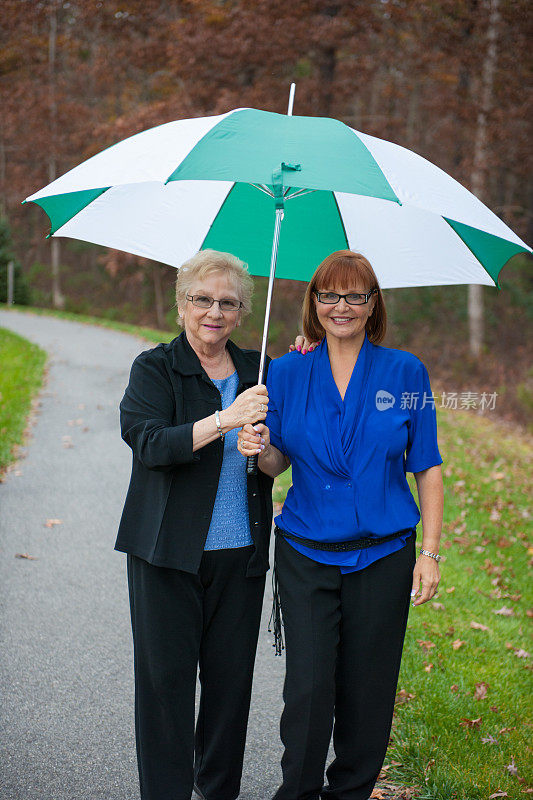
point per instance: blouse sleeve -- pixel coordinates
(275, 408)
(422, 448)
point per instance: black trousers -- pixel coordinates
(344, 637)
(180, 621)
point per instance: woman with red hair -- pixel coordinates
(352, 418)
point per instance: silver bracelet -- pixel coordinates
(431, 555)
(219, 427)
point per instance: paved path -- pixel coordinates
(66, 680)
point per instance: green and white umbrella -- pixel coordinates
(172, 190)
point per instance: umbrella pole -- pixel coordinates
(251, 461)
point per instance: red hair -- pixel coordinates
(344, 269)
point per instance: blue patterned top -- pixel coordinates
(230, 524)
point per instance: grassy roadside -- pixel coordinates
(462, 727)
(150, 334)
(21, 375)
(21, 370)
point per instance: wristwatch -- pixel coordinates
(431, 555)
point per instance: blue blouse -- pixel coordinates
(230, 523)
(350, 457)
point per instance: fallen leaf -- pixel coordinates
(25, 555)
(529, 613)
(427, 768)
(481, 691)
(495, 709)
(377, 794)
(426, 645)
(506, 730)
(403, 697)
(503, 542)
(427, 667)
(451, 589)
(477, 626)
(454, 688)
(521, 653)
(512, 768)
(504, 612)
(51, 522)
(458, 643)
(498, 794)
(489, 740)
(470, 723)
(438, 606)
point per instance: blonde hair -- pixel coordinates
(344, 268)
(204, 263)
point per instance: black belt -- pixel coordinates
(337, 547)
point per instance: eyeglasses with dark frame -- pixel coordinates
(353, 298)
(204, 301)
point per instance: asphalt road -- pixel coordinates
(66, 676)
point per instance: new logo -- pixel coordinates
(384, 400)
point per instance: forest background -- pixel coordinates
(449, 79)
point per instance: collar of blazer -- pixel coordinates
(185, 361)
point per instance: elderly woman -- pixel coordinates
(352, 418)
(196, 531)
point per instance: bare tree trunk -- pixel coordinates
(479, 170)
(3, 202)
(58, 300)
(412, 124)
(158, 294)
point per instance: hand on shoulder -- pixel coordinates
(303, 345)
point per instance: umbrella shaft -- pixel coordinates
(274, 257)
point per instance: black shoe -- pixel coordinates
(197, 791)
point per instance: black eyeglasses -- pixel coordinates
(203, 301)
(353, 299)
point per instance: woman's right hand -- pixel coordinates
(249, 407)
(303, 345)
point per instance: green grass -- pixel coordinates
(21, 373)
(486, 568)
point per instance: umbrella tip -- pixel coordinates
(291, 99)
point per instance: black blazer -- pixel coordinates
(172, 490)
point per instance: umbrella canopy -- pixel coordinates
(187, 185)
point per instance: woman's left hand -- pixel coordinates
(426, 577)
(253, 439)
(303, 345)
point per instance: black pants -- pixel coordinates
(344, 637)
(180, 621)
